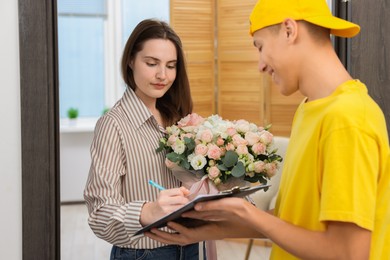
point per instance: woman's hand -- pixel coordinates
(167, 202)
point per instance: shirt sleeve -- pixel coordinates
(349, 180)
(110, 217)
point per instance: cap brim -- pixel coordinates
(337, 26)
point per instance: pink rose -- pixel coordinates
(258, 148)
(214, 172)
(237, 140)
(206, 136)
(271, 169)
(214, 152)
(223, 150)
(266, 137)
(259, 166)
(231, 131)
(252, 138)
(230, 147)
(201, 149)
(220, 141)
(242, 149)
(171, 140)
(190, 120)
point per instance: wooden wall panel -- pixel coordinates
(202, 88)
(194, 21)
(280, 110)
(223, 64)
(240, 85)
(240, 91)
(243, 92)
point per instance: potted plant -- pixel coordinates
(72, 113)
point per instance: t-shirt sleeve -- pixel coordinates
(349, 179)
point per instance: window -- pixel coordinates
(91, 37)
(81, 31)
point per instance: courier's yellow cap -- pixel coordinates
(270, 12)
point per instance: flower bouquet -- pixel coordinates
(218, 152)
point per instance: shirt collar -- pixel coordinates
(134, 108)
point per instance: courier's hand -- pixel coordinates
(167, 202)
(228, 218)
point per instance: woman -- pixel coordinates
(119, 199)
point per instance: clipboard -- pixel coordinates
(188, 222)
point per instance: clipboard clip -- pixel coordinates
(235, 189)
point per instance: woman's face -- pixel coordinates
(154, 69)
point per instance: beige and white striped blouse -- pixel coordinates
(123, 160)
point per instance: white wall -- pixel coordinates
(75, 161)
(10, 151)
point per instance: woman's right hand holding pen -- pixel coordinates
(168, 201)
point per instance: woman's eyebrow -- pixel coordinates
(156, 59)
(151, 57)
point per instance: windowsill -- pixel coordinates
(79, 125)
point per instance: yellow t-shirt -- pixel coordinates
(337, 167)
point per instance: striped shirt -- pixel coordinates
(123, 161)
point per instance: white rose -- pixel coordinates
(198, 162)
(179, 146)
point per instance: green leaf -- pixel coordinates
(253, 179)
(262, 157)
(230, 159)
(185, 164)
(222, 167)
(262, 178)
(238, 170)
(161, 147)
(174, 157)
(275, 157)
(190, 144)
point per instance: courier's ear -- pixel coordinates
(289, 28)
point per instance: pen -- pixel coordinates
(156, 185)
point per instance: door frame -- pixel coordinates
(39, 129)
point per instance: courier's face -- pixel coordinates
(275, 57)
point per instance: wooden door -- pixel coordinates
(369, 51)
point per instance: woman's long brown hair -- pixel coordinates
(177, 102)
